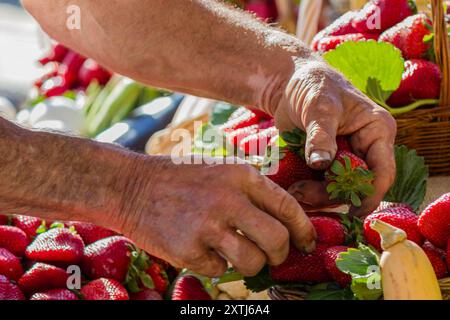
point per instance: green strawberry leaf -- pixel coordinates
(262, 281)
(411, 181)
(329, 291)
(363, 265)
(229, 276)
(375, 68)
(221, 112)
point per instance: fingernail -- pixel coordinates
(320, 159)
(310, 247)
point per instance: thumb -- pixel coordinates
(321, 129)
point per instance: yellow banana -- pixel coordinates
(406, 272)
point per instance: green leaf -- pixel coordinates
(146, 280)
(229, 276)
(360, 61)
(337, 168)
(221, 113)
(363, 265)
(356, 201)
(262, 281)
(210, 142)
(329, 291)
(376, 92)
(411, 181)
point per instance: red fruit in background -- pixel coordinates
(300, 267)
(4, 219)
(159, 277)
(421, 80)
(10, 265)
(437, 259)
(401, 218)
(242, 118)
(408, 36)
(59, 245)
(89, 232)
(70, 67)
(256, 144)
(189, 288)
(448, 255)
(379, 15)
(28, 224)
(264, 9)
(91, 71)
(57, 53)
(349, 179)
(13, 239)
(328, 43)
(341, 26)
(329, 231)
(434, 222)
(55, 294)
(147, 294)
(55, 86)
(234, 137)
(9, 291)
(387, 205)
(343, 143)
(266, 124)
(104, 289)
(292, 168)
(330, 256)
(42, 277)
(108, 258)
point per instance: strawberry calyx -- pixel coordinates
(295, 141)
(347, 183)
(137, 277)
(412, 4)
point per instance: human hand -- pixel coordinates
(319, 100)
(189, 215)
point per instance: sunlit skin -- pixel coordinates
(189, 214)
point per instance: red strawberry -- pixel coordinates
(56, 54)
(13, 239)
(260, 114)
(266, 124)
(147, 294)
(9, 291)
(448, 254)
(189, 288)
(292, 168)
(104, 289)
(409, 35)
(89, 232)
(401, 218)
(437, 259)
(300, 267)
(91, 71)
(42, 277)
(379, 15)
(349, 179)
(4, 219)
(387, 205)
(434, 222)
(421, 80)
(330, 256)
(328, 43)
(329, 231)
(234, 137)
(241, 118)
(55, 294)
(59, 245)
(159, 277)
(265, 10)
(10, 265)
(339, 27)
(108, 258)
(256, 144)
(28, 224)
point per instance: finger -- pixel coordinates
(321, 123)
(209, 264)
(269, 234)
(242, 253)
(381, 160)
(312, 195)
(272, 199)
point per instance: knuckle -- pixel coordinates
(253, 265)
(287, 208)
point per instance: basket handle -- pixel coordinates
(441, 46)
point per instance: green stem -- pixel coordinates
(411, 107)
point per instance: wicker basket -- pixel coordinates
(428, 130)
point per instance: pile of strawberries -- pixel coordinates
(401, 26)
(75, 260)
(67, 70)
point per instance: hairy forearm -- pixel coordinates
(201, 47)
(63, 178)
